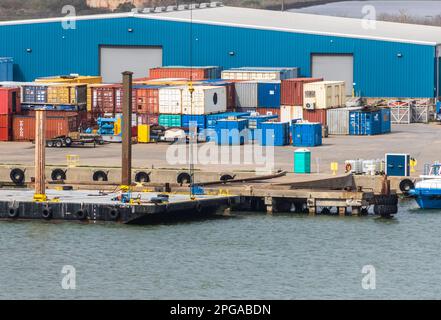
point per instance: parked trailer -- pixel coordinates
(75, 139)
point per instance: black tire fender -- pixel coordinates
(13, 213)
(81, 214)
(406, 185)
(46, 213)
(114, 213)
(58, 175)
(183, 178)
(142, 177)
(100, 176)
(17, 176)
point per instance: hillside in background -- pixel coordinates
(33, 9)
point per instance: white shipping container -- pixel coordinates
(249, 73)
(170, 100)
(206, 100)
(324, 95)
(288, 113)
(246, 94)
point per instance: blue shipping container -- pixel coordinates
(6, 69)
(201, 121)
(254, 121)
(386, 124)
(274, 133)
(231, 132)
(213, 118)
(364, 123)
(307, 134)
(268, 94)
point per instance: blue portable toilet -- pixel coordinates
(274, 133)
(268, 94)
(231, 132)
(307, 134)
(363, 123)
(397, 165)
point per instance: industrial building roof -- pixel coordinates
(286, 22)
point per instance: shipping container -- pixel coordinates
(292, 90)
(386, 121)
(307, 134)
(246, 94)
(364, 123)
(231, 132)
(119, 99)
(5, 127)
(74, 94)
(254, 121)
(249, 110)
(338, 120)
(6, 69)
(318, 115)
(147, 99)
(269, 112)
(150, 119)
(268, 94)
(34, 93)
(200, 120)
(71, 79)
(213, 118)
(108, 98)
(9, 100)
(170, 100)
(23, 127)
(204, 100)
(194, 73)
(260, 73)
(274, 133)
(289, 113)
(230, 91)
(324, 95)
(170, 120)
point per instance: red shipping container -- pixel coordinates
(5, 127)
(103, 98)
(318, 115)
(10, 100)
(231, 96)
(119, 96)
(23, 127)
(186, 73)
(147, 100)
(268, 111)
(150, 119)
(292, 90)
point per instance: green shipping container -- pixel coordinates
(302, 161)
(170, 120)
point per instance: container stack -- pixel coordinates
(9, 105)
(292, 98)
(194, 73)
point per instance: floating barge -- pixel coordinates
(94, 206)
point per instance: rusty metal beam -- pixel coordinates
(126, 176)
(40, 153)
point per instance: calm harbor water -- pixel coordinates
(353, 9)
(250, 256)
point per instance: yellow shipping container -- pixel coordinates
(58, 94)
(71, 79)
(143, 133)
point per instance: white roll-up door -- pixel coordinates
(334, 68)
(139, 60)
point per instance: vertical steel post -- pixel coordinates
(126, 176)
(40, 155)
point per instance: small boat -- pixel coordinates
(427, 192)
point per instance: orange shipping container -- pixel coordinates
(186, 73)
(23, 127)
(147, 100)
(292, 90)
(317, 115)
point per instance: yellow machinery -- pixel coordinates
(143, 133)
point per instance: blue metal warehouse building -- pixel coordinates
(379, 59)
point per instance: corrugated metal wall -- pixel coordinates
(378, 71)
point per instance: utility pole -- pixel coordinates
(126, 174)
(40, 156)
(283, 5)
